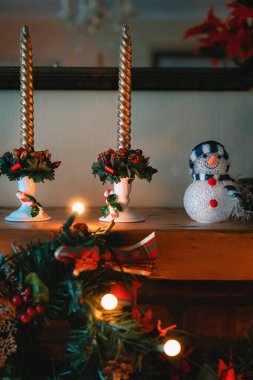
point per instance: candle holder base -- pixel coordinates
(23, 214)
(126, 216)
(30, 210)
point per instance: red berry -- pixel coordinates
(213, 203)
(40, 308)
(17, 300)
(28, 292)
(31, 311)
(25, 318)
(25, 299)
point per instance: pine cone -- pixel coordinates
(119, 369)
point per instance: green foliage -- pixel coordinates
(33, 164)
(112, 165)
(96, 336)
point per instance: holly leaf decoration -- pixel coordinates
(20, 163)
(105, 211)
(34, 211)
(39, 289)
(113, 165)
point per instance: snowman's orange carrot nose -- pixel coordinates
(212, 160)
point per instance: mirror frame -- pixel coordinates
(144, 79)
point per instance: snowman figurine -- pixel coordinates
(213, 194)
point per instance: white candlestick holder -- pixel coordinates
(26, 186)
(123, 189)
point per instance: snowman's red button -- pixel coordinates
(213, 203)
(211, 181)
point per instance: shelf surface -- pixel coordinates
(187, 250)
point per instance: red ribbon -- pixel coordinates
(110, 170)
(137, 259)
(16, 167)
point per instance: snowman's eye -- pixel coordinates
(205, 155)
(219, 156)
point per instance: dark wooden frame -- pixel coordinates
(146, 79)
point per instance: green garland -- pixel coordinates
(112, 165)
(37, 289)
(34, 164)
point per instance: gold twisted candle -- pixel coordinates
(26, 90)
(124, 98)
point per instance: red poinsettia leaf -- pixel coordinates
(186, 368)
(240, 10)
(210, 25)
(222, 368)
(144, 320)
(194, 31)
(189, 351)
(225, 372)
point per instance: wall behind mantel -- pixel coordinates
(76, 125)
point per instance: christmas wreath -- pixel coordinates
(34, 164)
(68, 279)
(112, 165)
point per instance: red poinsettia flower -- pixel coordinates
(232, 38)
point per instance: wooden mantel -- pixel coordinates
(187, 250)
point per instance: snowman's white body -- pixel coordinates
(198, 206)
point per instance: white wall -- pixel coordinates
(76, 125)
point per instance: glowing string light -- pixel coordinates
(109, 301)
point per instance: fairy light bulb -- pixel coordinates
(172, 347)
(109, 301)
(78, 207)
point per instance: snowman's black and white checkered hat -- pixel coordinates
(207, 147)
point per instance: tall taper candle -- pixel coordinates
(124, 98)
(26, 90)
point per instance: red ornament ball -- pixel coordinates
(213, 203)
(25, 318)
(17, 300)
(40, 308)
(212, 181)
